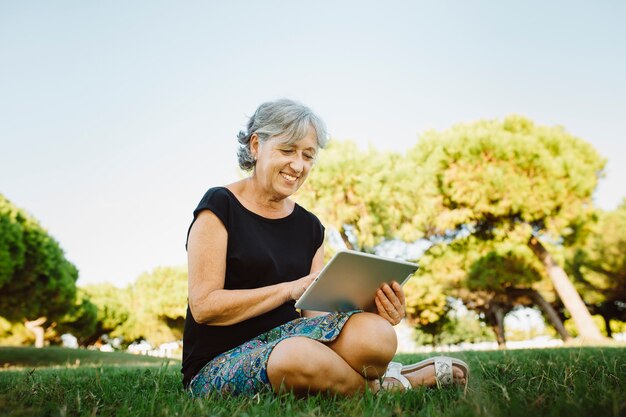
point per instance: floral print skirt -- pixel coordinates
(243, 369)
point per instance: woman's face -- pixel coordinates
(282, 168)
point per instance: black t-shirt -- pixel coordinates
(260, 252)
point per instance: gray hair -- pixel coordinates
(285, 118)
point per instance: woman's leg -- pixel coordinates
(304, 365)
(356, 359)
(367, 343)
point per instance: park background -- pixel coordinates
(115, 118)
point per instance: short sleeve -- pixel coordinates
(320, 234)
(217, 201)
(316, 228)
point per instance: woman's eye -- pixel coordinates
(287, 151)
(309, 156)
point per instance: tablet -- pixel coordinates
(350, 281)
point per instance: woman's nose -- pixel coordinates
(297, 163)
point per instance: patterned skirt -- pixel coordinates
(243, 369)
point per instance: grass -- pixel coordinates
(552, 382)
(20, 357)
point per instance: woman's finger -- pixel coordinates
(388, 305)
(390, 300)
(397, 288)
(382, 311)
(393, 298)
(387, 309)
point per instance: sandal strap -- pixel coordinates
(394, 370)
(443, 371)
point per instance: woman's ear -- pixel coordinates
(254, 145)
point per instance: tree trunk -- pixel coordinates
(607, 325)
(345, 239)
(548, 310)
(587, 329)
(36, 327)
(552, 315)
(496, 314)
(500, 326)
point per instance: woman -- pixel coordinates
(252, 252)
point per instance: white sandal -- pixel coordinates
(394, 370)
(443, 370)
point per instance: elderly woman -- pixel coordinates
(252, 252)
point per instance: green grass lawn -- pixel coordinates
(21, 357)
(551, 382)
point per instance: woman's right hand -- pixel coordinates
(297, 287)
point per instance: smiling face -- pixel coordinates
(281, 167)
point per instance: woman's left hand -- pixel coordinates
(390, 303)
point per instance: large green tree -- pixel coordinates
(490, 278)
(113, 310)
(499, 178)
(599, 264)
(100, 310)
(37, 282)
(152, 308)
(157, 304)
(363, 195)
(81, 320)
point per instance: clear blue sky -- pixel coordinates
(115, 117)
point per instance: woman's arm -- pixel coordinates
(316, 267)
(209, 302)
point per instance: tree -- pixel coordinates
(157, 304)
(37, 283)
(362, 195)
(510, 273)
(81, 320)
(490, 278)
(456, 327)
(493, 179)
(14, 333)
(599, 265)
(113, 310)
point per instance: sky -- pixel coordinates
(116, 117)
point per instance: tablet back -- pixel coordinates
(350, 280)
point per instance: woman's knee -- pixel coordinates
(295, 360)
(303, 365)
(367, 343)
(377, 333)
